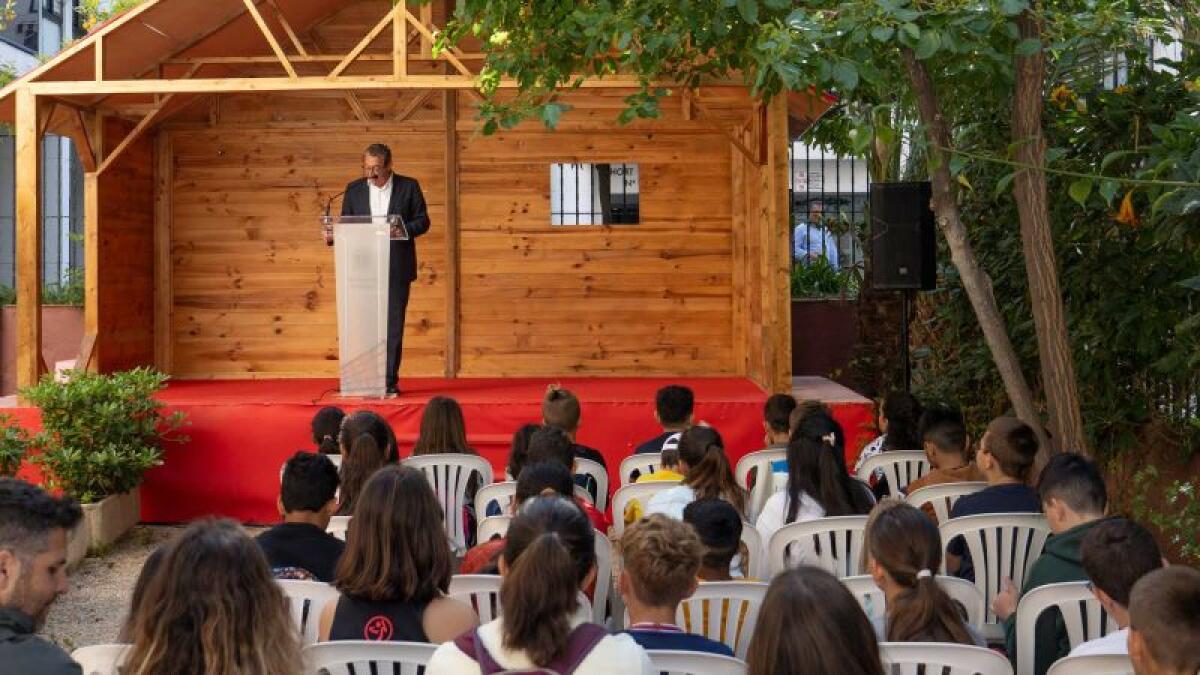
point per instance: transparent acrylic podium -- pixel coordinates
(362, 251)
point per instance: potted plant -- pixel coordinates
(101, 434)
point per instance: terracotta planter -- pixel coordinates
(110, 518)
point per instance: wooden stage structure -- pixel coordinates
(212, 133)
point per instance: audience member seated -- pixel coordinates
(1005, 458)
(673, 411)
(326, 425)
(667, 470)
(944, 437)
(904, 553)
(809, 623)
(898, 418)
(214, 608)
(660, 559)
(368, 444)
(1116, 553)
(707, 474)
(395, 571)
(817, 482)
(777, 415)
(549, 556)
(537, 480)
(33, 573)
(1073, 498)
(1164, 622)
(443, 431)
(551, 444)
(560, 408)
(300, 548)
(804, 409)
(137, 599)
(719, 528)
(519, 453)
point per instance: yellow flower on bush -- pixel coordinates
(1126, 214)
(1121, 90)
(1062, 96)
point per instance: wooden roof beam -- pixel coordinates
(287, 28)
(266, 31)
(362, 44)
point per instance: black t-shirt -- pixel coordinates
(584, 452)
(657, 443)
(290, 547)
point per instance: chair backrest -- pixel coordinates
(338, 525)
(1082, 614)
(758, 462)
(604, 573)
(725, 611)
(482, 593)
(502, 493)
(306, 599)
(1001, 545)
(942, 497)
(910, 658)
(355, 657)
(101, 659)
(639, 491)
(694, 663)
(492, 527)
(1094, 664)
(598, 475)
(871, 598)
(583, 493)
(756, 566)
(642, 464)
(834, 543)
(450, 474)
(901, 467)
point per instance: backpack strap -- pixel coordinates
(471, 644)
(583, 639)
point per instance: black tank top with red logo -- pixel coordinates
(359, 619)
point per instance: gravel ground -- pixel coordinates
(92, 611)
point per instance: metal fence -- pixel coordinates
(829, 193)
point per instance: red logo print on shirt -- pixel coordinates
(378, 628)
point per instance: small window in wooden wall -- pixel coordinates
(594, 194)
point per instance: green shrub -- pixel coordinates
(819, 279)
(102, 432)
(14, 444)
(1179, 517)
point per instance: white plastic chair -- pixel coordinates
(1082, 614)
(492, 527)
(758, 462)
(482, 593)
(101, 659)
(306, 599)
(909, 658)
(756, 567)
(942, 497)
(639, 491)
(901, 467)
(604, 568)
(1001, 545)
(597, 472)
(1094, 664)
(582, 493)
(694, 663)
(646, 462)
(345, 657)
(716, 611)
(502, 493)
(450, 474)
(338, 525)
(871, 598)
(834, 543)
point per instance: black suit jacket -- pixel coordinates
(407, 202)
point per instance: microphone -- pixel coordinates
(329, 203)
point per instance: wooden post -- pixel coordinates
(776, 256)
(399, 44)
(28, 239)
(450, 113)
(164, 176)
(91, 266)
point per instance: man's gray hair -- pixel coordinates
(381, 151)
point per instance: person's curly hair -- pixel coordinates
(662, 557)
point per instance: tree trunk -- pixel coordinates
(975, 280)
(1037, 244)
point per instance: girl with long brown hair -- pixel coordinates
(707, 475)
(549, 556)
(903, 552)
(809, 623)
(212, 608)
(443, 429)
(367, 444)
(395, 571)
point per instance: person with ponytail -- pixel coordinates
(903, 552)
(707, 475)
(898, 421)
(549, 556)
(817, 483)
(367, 444)
(325, 427)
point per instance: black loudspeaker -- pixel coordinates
(903, 241)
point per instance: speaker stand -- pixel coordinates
(906, 297)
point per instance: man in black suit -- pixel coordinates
(383, 193)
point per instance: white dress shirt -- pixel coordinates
(1116, 642)
(381, 197)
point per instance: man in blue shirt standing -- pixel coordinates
(812, 240)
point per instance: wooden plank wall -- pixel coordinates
(125, 254)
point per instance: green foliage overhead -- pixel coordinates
(102, 432)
